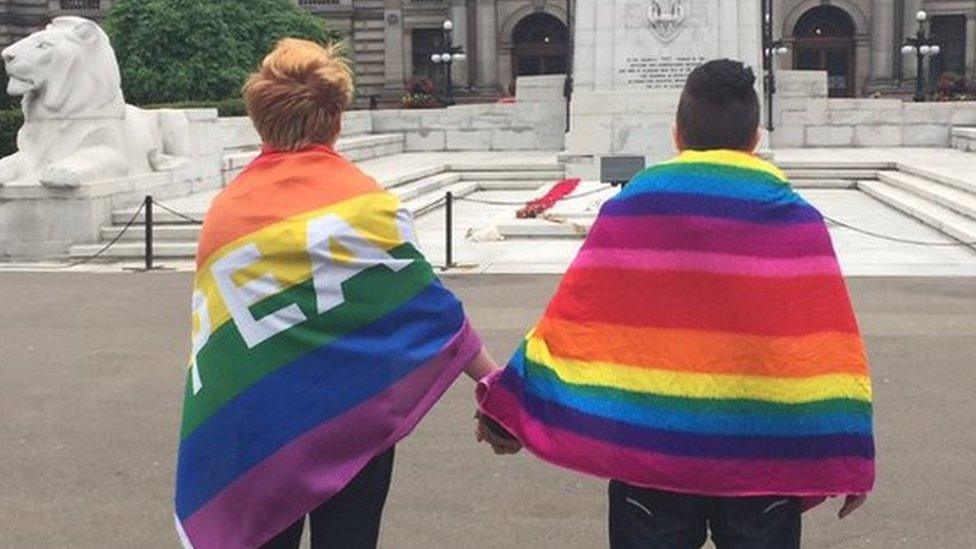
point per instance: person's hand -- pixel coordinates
(851, 503)
(502, 442)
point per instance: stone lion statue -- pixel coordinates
(77, 128)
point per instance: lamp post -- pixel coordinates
(571, 44)
(452, 54)
(922, 46)
(772, 48)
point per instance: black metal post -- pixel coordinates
(449, 41)
(919, 78)
(920, 39)
(148, 218)
(449, 231)
(568, 88)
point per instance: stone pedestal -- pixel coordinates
(631, 61)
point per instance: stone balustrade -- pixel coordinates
(805, 117)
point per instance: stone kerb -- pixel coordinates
(805, 117)
(964, 138)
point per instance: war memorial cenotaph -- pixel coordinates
(631, 58)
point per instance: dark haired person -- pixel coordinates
(701, 352)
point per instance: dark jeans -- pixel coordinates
(351, 519)
(652, 519)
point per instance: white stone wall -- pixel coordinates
(237, 132)
(805, 117)
(536, 121)
(964, 138)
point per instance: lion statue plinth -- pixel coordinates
(77, 127)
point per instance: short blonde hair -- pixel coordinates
(297, 96)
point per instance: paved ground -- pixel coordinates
(91, 377)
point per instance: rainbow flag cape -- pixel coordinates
(321, 337)
(702, 342)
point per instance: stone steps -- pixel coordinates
(823, 183)
(950, 197)
(523, 175)
(356, 148)
(946, 220)
(853, 174)
(421, 189)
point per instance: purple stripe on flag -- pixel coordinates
(315, 466)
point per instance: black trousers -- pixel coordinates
(351, 519)
(641, 518)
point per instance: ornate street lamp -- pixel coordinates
(771, 49)
(452, 54)
(922, 46)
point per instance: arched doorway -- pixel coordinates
(825, 41)
(540, 46)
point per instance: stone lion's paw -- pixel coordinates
(60, 175)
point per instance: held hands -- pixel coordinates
(851, 503)
(501, 441)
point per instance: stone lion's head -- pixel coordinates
(67, 68)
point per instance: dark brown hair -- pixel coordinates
(719, 108)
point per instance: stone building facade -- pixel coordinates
(856, 41)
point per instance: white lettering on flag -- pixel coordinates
(200, 336)
(330, 271)
(239, 299)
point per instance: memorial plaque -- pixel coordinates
(662, 41)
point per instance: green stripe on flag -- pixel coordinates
(227, 366)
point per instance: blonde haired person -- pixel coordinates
(295, 410)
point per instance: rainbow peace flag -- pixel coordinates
(320, 338)
(702, 342)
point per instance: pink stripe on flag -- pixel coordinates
(701, 476)
(710, 235)
(314, 467)
(678, 260)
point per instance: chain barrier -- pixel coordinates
(524, 202)
(897, 239)
(110, 243)
(450, 198)
(182, 216)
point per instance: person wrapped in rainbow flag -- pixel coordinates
(701, 352)
(321, 335)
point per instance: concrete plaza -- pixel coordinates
(91, 381)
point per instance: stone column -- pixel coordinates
(393, 73)
(459, 16)
(971, 45)
(487, 44)
(882, 28)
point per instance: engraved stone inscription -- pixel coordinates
(658, 73)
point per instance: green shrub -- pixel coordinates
(10, 122)
(188, 50)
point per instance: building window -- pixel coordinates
(426, 42)
(949, 31)
(74, 5)
(825, 42)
